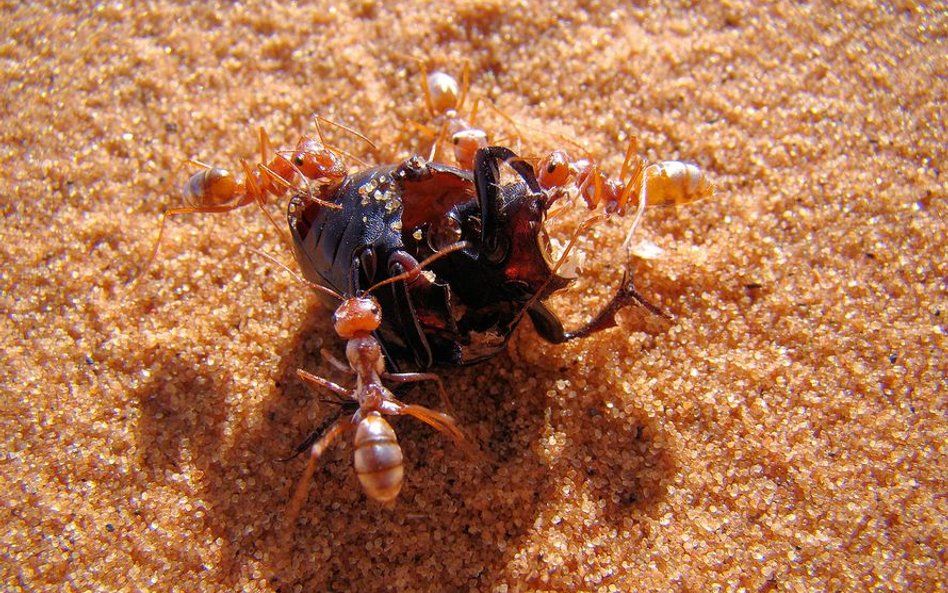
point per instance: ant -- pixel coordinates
(313, 163)
(445, 97)
(378, 457)
(665, 183)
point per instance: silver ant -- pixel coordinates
(313, 166)
(377, 456)
(665, 183)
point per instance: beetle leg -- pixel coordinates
(551, 329)
(399, 263)
(547, 324)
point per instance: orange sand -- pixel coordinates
(786, 433)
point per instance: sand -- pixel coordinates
(785, 432)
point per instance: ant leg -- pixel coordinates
(438, 420)
(161, 229)
(630, 151)
(591, 187)
(637, 180)
(258, 192)
(264, 142)
(425, 89)
(196, 163)
(341, 426)
(416, 377)
(433, 153)
(335, 362)
(465, 85)
(442, 423)
(313, 380)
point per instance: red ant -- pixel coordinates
(445, 98)
(664, 183)
(312, 163)
(378, 457)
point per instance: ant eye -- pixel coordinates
(298, 160)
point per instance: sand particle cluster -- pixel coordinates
(785, 432)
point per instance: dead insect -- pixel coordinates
(467, 307)
(378, 457)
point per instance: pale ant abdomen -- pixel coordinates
(675, 183)
(378, 458)
(212, 187)
(445, 98)
(665, 183)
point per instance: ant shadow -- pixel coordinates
(460, 517)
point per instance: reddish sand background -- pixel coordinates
(787, 432)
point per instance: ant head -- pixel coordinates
(314, 161)
(554, 170)
(357, 316)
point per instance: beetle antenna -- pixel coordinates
(409, 274)
(300, 279)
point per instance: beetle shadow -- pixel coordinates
(182, 416)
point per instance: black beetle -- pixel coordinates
(465, 308)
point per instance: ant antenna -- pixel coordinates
(300, 279)
(346, 128)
